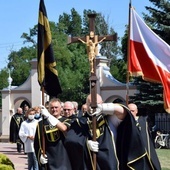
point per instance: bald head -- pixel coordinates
(98, 99)
(19, 110)
(88, 101)
(133, 108)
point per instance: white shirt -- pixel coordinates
(28, 128)
(114, 122)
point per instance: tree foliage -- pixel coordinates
(72, 60)
(4, 82)
(19, 64)
(149, 96)
(159, 18)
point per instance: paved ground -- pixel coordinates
(19, 159)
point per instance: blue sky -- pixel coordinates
(18, 16)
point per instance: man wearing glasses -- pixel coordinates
(69, 110)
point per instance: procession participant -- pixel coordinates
(69, 110)
(79, 142)
(51, 130)
(15, 124)
(117, 139)
(37, 113)
(27, 134)
(142, 124)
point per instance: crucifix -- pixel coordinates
(92, 42)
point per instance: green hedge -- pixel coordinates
(5, 163)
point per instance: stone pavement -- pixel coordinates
(19, 159)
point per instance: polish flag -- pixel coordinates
(149, 56)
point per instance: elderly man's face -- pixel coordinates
(84, 108)
(55, 108)
(133, 109)
(68, 109)
(88, 101)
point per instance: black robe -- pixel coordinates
(78, 151)
(131, 147)
(148, 141)
(54, 148)
(15, 124)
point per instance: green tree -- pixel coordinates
(72, 60)
(118, 69)
(158, 18)
(70, 24)
(19, 64)
(149, 96)
(124, 45)
(4, 74)
(31, 37)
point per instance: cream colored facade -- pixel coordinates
(12, 98)
(107, 86)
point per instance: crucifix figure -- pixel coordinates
(92, 42)
(91, 49)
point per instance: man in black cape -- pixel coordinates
(15, 124)
(135, 128)
(79, 142)
(129, 153)
(50, 131)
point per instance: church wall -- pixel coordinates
(6, 113)
(109, 94)
(29, 91)
(36, 95)
(19, 100)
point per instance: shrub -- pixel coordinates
(5, 163)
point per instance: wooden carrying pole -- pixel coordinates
(93, 87)
(128, 56)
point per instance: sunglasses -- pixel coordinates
(67, 109)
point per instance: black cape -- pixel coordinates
(131, 149)
(78, 151)
(15, 124)
(54, 148)
(148, 141)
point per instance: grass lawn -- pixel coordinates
(164, 158)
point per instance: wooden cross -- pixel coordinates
(92, 42)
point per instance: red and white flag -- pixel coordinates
(149, 56)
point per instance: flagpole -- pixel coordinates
(43, 132)
(42, 6)
(128, 56)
